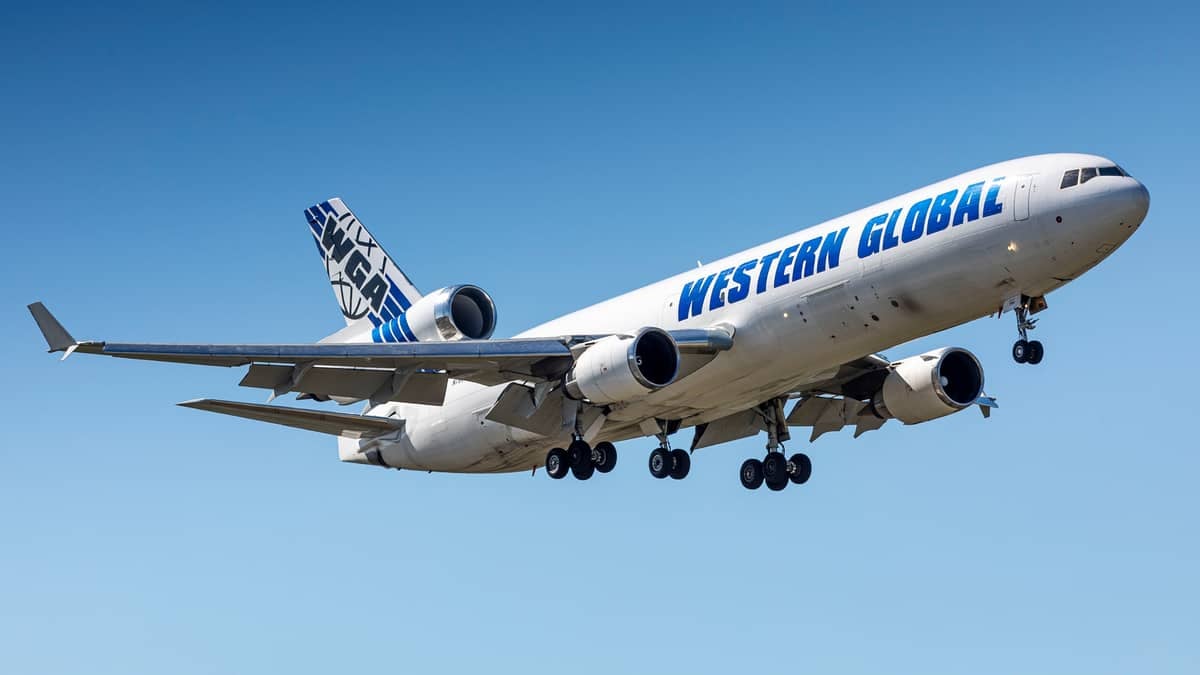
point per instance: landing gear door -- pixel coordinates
(1021, 197)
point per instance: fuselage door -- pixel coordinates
(1021, 197)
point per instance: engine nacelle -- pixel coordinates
(453, 313)
(929, 386)
(620, 368)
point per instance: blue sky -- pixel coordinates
(156, 161)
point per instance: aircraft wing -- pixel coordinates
(843, 399)
(829, 402)
(413, 371)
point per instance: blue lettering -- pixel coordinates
(806, 259)
(889, 235)
(691, 300)
(357, 268)
(871, 237)
(990, 206)
(914, 221)
(968, 204)
(831, 251)
(939, 215)
(785, 259)
(764, 271)
(375, 290)
(335, 241)
(741, 277)
(718, 289)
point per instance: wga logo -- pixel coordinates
(358, 290)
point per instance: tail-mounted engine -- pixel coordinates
(453, 313)
(929, 386)
(622, 368)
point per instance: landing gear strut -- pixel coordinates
(580, 458)
(666, 462)
(1025, 350)
(776, 470)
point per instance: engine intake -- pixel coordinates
(929, 386)
(462, 312)
(621, 368)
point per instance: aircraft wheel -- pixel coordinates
(661, 463)
(774, 468)
(583, 470)
(604, 456)
(582, 466)
(799, 468)
(751, 474)
(558, 463)
(681, 464)
(1020, 351)
(1036, 352)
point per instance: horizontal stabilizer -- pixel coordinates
(336, 424)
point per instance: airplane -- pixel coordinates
(722, 350)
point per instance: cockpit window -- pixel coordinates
(1080, 176)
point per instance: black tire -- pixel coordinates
(751, 474)
(799, 468)
(583, 470)
(775, 473)
(774, 467)
(661, 463)
(580, 452)
(1020, 351)
(558, 463)
(681, 464)
(582, 466)
(604, 455)
(1036, 352)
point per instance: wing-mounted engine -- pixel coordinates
(929, 386)
(623, 368)
(872, 390)
(462, 312)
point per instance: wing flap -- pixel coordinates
(336, 424)
(348, 384)
(518, 408)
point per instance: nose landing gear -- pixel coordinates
(1025, 350)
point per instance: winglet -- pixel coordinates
(986, 404)
(57, 337)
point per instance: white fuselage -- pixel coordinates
(880, 276)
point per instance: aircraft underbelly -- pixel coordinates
(805, 334)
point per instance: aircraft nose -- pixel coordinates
(1141, 201)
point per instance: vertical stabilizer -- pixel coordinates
(366, 282)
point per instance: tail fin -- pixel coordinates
(366, 283)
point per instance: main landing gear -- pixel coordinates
(776, 469)
(666, 462)
(581, 459)
(1025, 350)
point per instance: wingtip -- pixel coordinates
(56, 336)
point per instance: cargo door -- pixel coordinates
(1021, 197)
